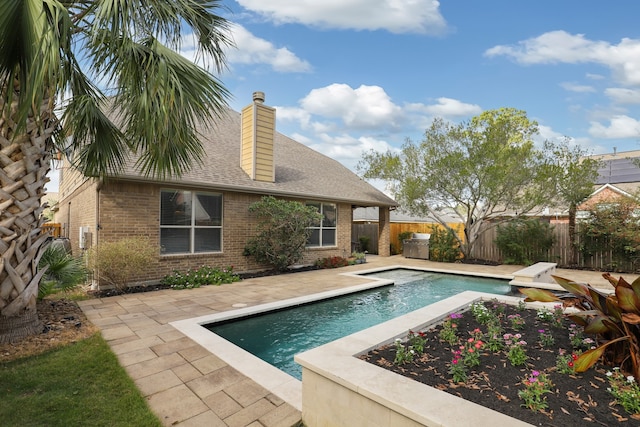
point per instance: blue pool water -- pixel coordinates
(276, 337)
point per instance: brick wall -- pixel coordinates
(607, 195)
(78, 209)
(128, 209)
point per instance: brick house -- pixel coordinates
(202, 218)
(607, 194)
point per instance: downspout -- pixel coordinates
(94, 284)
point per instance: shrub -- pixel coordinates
(201, 277)
(612, 228)
(364, 243)
(282, 231)
(443, 245)
(332, 262)
(524, 242)
(115, 263)
(64, 271)
(613, 318)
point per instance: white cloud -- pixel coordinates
(574, 87)
(395, 16)
(623, 95)
(347, 149)
(620, 126)
(364, 107)
(447, 107)
(293, 114)
(592, 76)
(561, 47)
(547, 133)
(254, 50)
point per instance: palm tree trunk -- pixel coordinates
(25, 156)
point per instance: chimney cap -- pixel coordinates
(258, 97)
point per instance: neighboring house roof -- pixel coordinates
(299, 171)
(370, 214)
(619, 168)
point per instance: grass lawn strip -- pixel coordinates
(79, 384)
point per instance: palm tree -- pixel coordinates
(78, 55)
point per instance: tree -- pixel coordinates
(83, 51)
(282, 232)
(574, 175)
(612, 227)
(476, 171)
(525, 241)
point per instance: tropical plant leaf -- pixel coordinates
(631, 318)
(610, 279)
(628, 300)
(590, 357)
(613, 310)
(635, 285)
(577, 319)
(536, 294)
(598, 299)
(571, 286)
(598, 325)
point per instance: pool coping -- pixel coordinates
(268, 376)
(370, 389)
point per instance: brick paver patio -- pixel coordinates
(186, 385)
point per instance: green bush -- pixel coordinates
(282, 231)
(64, 272)
(364, 243)
(443, 245)
(201, 277)
(115, 263)
(525, 241)
(612, 228)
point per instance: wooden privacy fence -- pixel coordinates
(486, 249)
(52, 227)
(395, 228)
(368, 230)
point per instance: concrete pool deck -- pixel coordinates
(184, 383)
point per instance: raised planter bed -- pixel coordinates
(340, 389)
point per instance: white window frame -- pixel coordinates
(321, 227)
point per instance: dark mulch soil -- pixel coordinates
(578, 400)
(159, 286)
(63, 322)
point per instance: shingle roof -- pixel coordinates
(299, 170)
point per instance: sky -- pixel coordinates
(348, 76)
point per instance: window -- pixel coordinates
(324, 233)
(190, 222)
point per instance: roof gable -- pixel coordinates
(299, 171)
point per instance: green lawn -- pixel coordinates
(77, 385)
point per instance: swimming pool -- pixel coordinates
(276, 337)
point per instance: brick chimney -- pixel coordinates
(256, 148)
